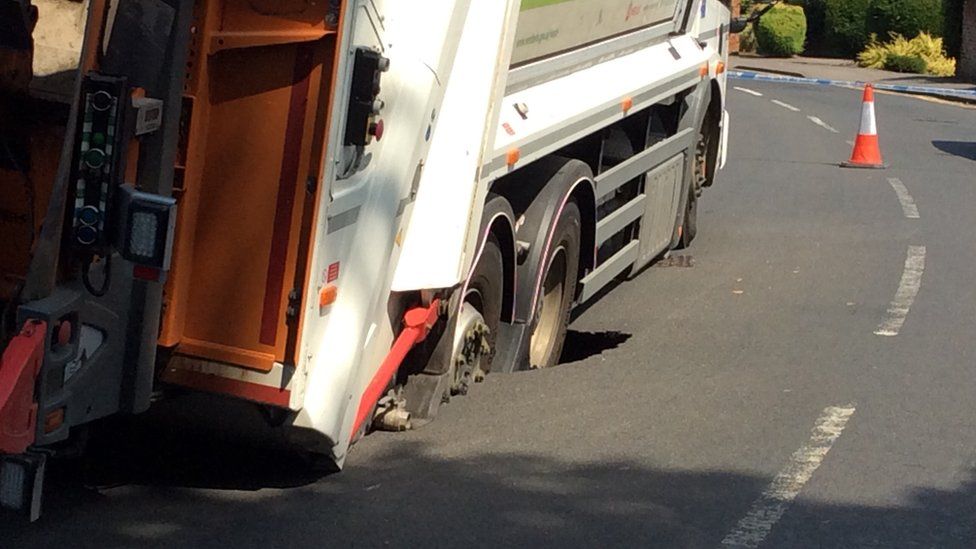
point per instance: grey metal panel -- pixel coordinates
(533, 148)
(610, 180)
(344, 219)
(623, 216)
(710, 34)
(542, 71)
(606, 272)
(663, 187)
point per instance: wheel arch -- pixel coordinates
(538, 193)
(498, 220)
(713, 121)
(585, 198)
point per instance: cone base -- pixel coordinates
(863, 166)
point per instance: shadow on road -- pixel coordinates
(410, 497)
(964, 149)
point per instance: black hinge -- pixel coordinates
(294, 303)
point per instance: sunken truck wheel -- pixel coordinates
(557, 291)
(479, 317)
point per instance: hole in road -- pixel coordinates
(583, 345)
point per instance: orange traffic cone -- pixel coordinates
(867, 152)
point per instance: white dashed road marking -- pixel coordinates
(822, 124)
(907, 202)
(786, 106)
(911, 281)
(777, 497)
(747, 90)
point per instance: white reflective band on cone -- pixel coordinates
(869, 126)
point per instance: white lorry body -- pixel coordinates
(411, 219)
(423, 198)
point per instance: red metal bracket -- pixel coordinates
(19, 368)
(417, 324)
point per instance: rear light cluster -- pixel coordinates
(108, 214)
(97, 165)
(146, 227)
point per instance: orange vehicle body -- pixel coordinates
(256, 92)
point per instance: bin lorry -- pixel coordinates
(343, 211)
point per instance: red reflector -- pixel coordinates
(376, 129)
(64, 332)
(145, 273)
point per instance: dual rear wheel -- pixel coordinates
(553, 301)
(555, 296)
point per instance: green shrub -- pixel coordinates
(905, 63)
(782, 31)
(846, 22)
(905, 17)
(924, 46)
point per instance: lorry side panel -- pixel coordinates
(548, 27)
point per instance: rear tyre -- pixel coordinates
(557, 291)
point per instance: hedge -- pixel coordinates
(844, 27)
(846, 22)
(905, 17)
(782, 31)
(816, 12)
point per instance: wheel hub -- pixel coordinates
(471, 346)
(701, 164)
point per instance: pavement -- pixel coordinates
(739, 397)
(844, 70)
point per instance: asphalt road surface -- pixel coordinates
(808, 381)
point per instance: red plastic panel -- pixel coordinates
(19, 368)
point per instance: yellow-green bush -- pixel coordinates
(924, 46)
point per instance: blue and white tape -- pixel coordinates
(926, 90)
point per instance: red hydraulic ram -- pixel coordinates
(417, 323)
(19, 368)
